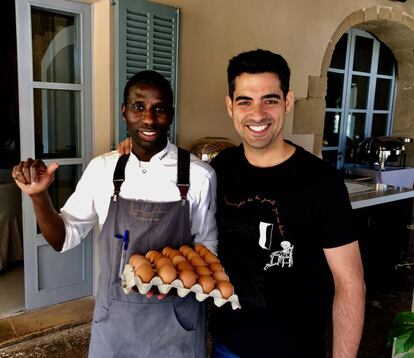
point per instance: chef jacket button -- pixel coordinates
(144, 170)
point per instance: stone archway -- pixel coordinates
(396, 30)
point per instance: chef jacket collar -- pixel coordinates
(156, 158)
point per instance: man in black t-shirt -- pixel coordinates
(284, 230)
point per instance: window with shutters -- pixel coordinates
(146, 39)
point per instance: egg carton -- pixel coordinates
(129, 280)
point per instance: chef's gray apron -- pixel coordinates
(131, 325)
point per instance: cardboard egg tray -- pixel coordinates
(129, 280)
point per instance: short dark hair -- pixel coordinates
(149, 77)
(258, 61)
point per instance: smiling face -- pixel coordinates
(258, 110)
(148, 115)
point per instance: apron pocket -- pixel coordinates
(101, 310)
(187, 311)
(154, 328)
(100, 313)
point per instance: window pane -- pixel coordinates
(57, 123)
(363, 54)
(338, 57)
(379, 125)
(386, 60)
(330, 156)
(55, 49)
(355, 127)
(66, 178)
(359, 92)
(334, 91)
(331, 129)
(382, 94)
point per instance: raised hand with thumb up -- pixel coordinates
(33, 176)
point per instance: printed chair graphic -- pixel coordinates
(281, 257)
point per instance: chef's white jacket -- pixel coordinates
(154, 181)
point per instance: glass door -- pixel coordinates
(360, 96)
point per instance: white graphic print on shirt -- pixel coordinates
(281, 257)
(265, 238)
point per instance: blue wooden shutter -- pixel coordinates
(146, 38)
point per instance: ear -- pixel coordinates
(123, 110)
(290, 98)
(229, 106)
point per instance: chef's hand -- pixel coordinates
(160, 296)
(125, 146)
(33, 176)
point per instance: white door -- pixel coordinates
(54, 78)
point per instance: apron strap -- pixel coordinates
(119, 174)
(183, 173)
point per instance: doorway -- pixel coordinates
(47, 115)
(11, 245)
(53, 40)
(360, 96)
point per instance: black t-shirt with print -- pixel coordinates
(273, 226)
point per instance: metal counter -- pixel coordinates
(363, 195)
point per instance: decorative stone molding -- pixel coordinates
(395, 29)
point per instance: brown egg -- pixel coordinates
(226, 288)
(177, 259)
(207, 283)
(153, 255)
(210, 258)
(202, 270)
(167, 273)
(185, 248)
(166, 250)
(199, 247)
(191, 254)
(184, 265)
(216, 266)
(144, 272)
(220, 276)
(143, 261)
(188, 277)
(174, 253)
(198, 261)
(134, 259)
(204, 251)
(162, 261)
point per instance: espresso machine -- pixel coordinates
(383, 153)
